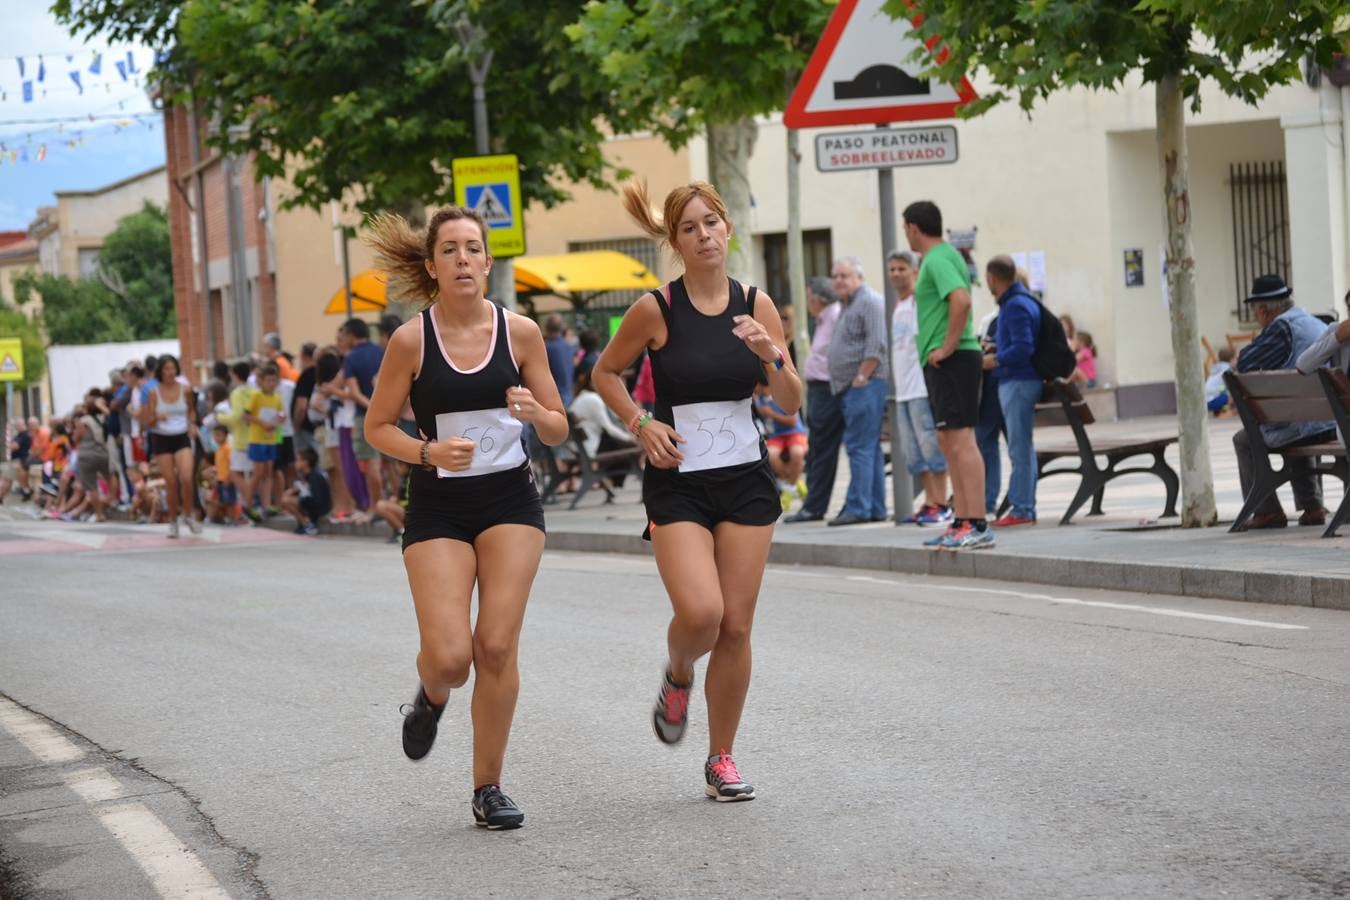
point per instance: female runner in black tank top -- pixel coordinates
(711, 497)
(473, 373)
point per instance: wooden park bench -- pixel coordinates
(588, 471)
(1270, 398)
(1063, 405)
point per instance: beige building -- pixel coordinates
(1075, 186)
(70, 234)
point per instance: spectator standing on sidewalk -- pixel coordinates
(20, 444)
(359, 369)
(303, 424)
(270, 348)
(1018, 383)
(824, 421)
(952, 367)
(559, 356)
(1286, 332)
(858, 379)
(914, 417)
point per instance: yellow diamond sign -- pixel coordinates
(490, 185)
(11, 359)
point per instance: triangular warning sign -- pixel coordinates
(8, 365)
(858, 74)
(491, 207)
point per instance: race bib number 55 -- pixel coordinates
(717, 434)
(496, 434)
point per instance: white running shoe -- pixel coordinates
(173, 529)
(193, 524)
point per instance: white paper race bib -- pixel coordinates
(269, 416)
(717, 434)
(496, 434)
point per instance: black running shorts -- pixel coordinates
(461, 509)
(749, 497)
(954, 390)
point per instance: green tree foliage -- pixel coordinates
(75, 312)
(371, 95)
(695, 66)
(676, 67)
(1032, 49)
(136, 264)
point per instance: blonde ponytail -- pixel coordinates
(639, 207)
(400, 256)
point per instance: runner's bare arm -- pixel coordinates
(392, 386)
(538, 397)
(642, 326)
(784, 383)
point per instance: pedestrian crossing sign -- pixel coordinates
(11, 359)
(490, 185)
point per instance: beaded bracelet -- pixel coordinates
(639, 420)
(425, 454)
(777, 363)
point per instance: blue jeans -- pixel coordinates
(863, 408)
(986, 438)
(825, 428)
(1018, 401)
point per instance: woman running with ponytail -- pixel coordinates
(711, 497)
(474, 373)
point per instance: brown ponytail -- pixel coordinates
(401, 254)
(638, 205)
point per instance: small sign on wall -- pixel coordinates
(1134, 267)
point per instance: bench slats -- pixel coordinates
(1292, 409)
(1266, 385)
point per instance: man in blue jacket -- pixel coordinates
(1019, 385)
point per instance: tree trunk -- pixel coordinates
(1197, 482)
(729, 147)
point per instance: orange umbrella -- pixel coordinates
(369, 294)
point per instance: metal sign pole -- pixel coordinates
(902, 486)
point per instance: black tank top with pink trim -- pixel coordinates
(702, 361)
(441, 387)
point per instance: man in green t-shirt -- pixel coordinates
(952, 367)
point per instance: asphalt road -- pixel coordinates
(227, 711)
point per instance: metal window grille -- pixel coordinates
(1260, 225)
(644, 250)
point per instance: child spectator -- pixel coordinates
(310, 498)
(233, 417)
(265, 412)
(1085, 373)
(226, 494)
(1216, 392)
(786, 439)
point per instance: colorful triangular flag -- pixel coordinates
(75, 77)
(28, 91)
(121, 68)
(42, 70)
(97, 65)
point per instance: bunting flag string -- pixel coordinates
(84, 68)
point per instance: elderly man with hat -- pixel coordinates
(1286, 332)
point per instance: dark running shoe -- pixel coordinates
(671, 713)
(494, 810)
(420, 719)
(724, 782)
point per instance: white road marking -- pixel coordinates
(172, 867)
(94, 785)
(41, 739)
(1126, 607)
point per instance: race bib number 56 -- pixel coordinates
(495, 433)
(717, 434)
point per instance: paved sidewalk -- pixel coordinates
(1128, 547)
